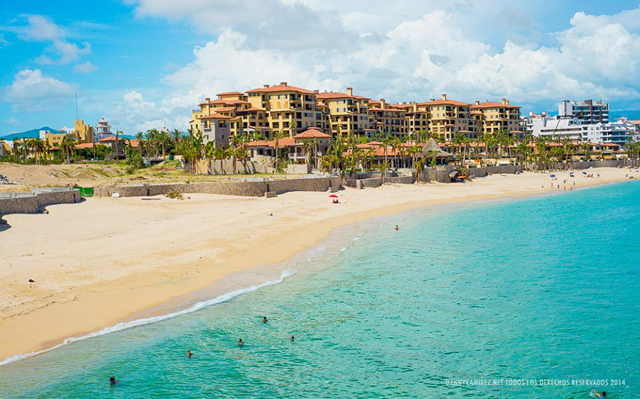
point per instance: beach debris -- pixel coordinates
(115, 195)
(174, 195)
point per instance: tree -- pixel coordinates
(278, 135)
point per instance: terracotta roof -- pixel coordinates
(386, 109)
(280, 88)
(326, 96)
(230, 93)
(443, 102)
(252, 109)
(489, 104)
(226, 102)
(224, 109)
(362, 98)
(312, 134)
(284, 142)
(110, 138)
(83, 146)
(215, 116)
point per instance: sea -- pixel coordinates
(533, 297)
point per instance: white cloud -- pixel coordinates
(85, 67)
(60, 50)
(134, 114)
(34, 91)
(12, 121)
(414, 52)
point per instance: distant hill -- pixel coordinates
(30, 134)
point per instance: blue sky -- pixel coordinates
(147, 63)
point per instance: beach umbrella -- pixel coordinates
(584, 173)
(553, 176)
(333, 196)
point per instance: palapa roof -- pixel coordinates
(431, 146)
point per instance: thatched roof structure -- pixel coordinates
(431, 146)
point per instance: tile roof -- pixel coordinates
(215, 116)
(280, 88)
(284, 142)
(489, 104)
(312, 134)
(230, 93)
(444, 102)
(326, 96)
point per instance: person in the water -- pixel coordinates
(600, 395)
(113, 380)
(292, 339)
(397, 228)
(240, 342)
(189, 353)
(264, 319)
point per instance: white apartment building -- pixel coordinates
(619, 132)
(555, 127)
(587, 111)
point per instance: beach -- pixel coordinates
(106, 260)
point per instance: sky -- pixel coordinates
(147, 63)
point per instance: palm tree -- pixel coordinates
(209, 153)
(140, 138)
(278, 135)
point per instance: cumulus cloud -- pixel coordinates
(33, 91)
(85, 67)
(135, 114)
(406, 53)
(60, 50)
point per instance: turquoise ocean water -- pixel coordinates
(527, 298)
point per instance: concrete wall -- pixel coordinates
(36, 200)
(297, 169)
(239, 188)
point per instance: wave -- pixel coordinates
(155, 319)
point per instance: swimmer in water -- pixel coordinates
(189, 353)
(600, 395)
(264, 319)
(397, 227)
(113, 380)
(292, 339)
(240, 342)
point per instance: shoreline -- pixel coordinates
(132, 298)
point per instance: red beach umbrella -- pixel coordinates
(333, 196)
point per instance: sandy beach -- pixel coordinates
(101, 261)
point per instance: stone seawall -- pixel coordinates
(241, 188)
(36, 200)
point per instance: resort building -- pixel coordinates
(555, 127)
(587, 111)
(494, 117)
(417, 118)
(102, 130)
(345, 112)
(229, 104)
(82, 132)
(387, 119)
(448, 117)
(289, 109)
(619, 132)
